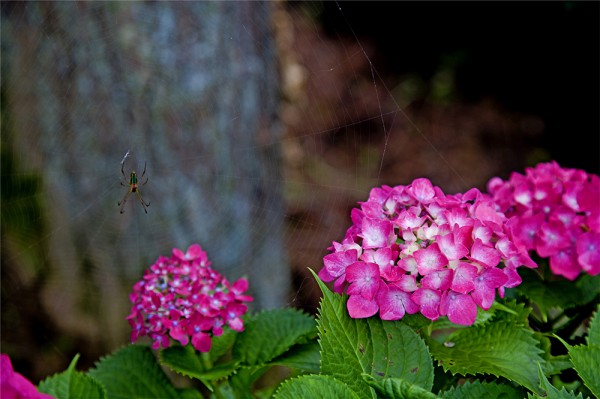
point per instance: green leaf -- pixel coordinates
(549, 391)
(382, 349)
(71, 384)
(271, 333)
(559, 294)
(314, 386)
(266, 337)
(187, 361)
(478, 389)
(589, 288)
(556, 364)
(133, 372)
(593, 337)
(501, 347)
(416, 321)
(221, 344)
(586, 361)
(305, 357)
(397, 388)
(242, 380)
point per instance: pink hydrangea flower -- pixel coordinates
(14, 386)
(554, 212)
(415, 249)
(184, 299)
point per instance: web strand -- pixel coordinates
(386, 132)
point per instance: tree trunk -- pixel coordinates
(189, 89)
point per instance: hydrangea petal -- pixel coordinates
(485, 287)
(565, 263)
(359, 307)
(439, 280)
(588, 250)
(376, 233)
(462, 281)
(460, 308)
(485, 254)
(407, 283)
(364, 279)
(428, 301)
(336, 263)
(201, 342)
(394, 303)
(421, 190)
(451, 249)
(430, 259)
(552, 238)
(15, 385)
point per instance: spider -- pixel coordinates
(133, 185)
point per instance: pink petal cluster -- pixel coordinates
(183, 298)
(415, 249)
(14, 385)
(555, 212)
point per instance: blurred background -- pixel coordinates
(260, 126)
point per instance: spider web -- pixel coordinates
(351, 119)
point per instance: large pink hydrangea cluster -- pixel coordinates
(182, 297)
(555, 212)
(413, 248)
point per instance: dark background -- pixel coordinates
(533, 57)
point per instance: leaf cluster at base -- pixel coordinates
(500, 356)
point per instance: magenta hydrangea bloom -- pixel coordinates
(415, 249)
(554, 212)
(184, 299)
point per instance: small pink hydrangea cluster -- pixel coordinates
(413, 248)
(182, 297)
(555, 212)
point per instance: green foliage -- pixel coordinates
(501, 347)
(222, 344)
(71, 384)
(304, 357)
(284, 337)
(186, 361)
(586, 358)
(397, 388)
(271, 333)
(132, 372)
(314, 386)
(501, 354)
(586, 361)
(549, 294)
(477, 390)
(550, 392)
(593, 337)
(382, 349)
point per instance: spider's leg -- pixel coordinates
(122, 171)
(144, 172)
(139, 194)
(124, 201)
(145, 181)
(144, 205)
